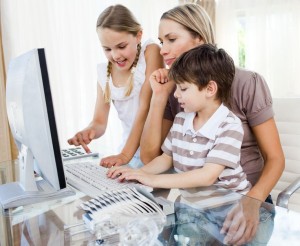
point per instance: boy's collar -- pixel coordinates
(210, 128)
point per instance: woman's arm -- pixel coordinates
(97, 126)
(156, 127)
(269, 144)
(153, 62)
(255, 95)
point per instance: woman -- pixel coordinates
(181, 29)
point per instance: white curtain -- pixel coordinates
(66, 29)
(271, 39)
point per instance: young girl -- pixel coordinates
(123, 80)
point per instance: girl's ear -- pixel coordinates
(139, 36)
(212, 88)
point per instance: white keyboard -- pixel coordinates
(90, 178)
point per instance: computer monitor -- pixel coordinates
(32, 121)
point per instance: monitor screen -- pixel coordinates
(32, 121)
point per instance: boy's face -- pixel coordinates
(120, 48)
(190, 98)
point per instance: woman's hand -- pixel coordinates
(241, 222)
(115, 160)
(160, 83)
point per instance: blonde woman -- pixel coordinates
(181, 29)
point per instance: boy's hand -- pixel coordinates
(137, 175)
(127, 174)
(115, 172)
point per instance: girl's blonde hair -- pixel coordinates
(194, 18)
(119, 18)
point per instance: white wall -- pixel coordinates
(272, 37)
(66, 29)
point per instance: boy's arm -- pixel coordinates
(159, 164)
(205, 176)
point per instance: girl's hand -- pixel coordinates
(114, 160)
(83, 138)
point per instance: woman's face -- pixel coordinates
(175, 40)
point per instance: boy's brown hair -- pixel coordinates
(202, 64)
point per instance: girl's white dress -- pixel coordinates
(126, 107)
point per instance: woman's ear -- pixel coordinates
(199, 40)
(212, 88)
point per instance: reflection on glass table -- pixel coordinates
(207, 218)
(219, 218)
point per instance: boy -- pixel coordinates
(204, 142)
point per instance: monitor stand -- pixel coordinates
(30, 189)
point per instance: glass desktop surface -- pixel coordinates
(197, 220)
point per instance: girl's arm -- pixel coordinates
(97, 126)
(153, 61)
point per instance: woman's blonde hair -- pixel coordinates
(119, 18)
(194, 18)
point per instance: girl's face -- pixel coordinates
(120, 48)
(190, 98)
(175, 40)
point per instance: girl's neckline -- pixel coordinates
(124, 84)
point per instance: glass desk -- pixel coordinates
(197, 220)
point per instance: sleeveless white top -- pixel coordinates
(126, 106)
